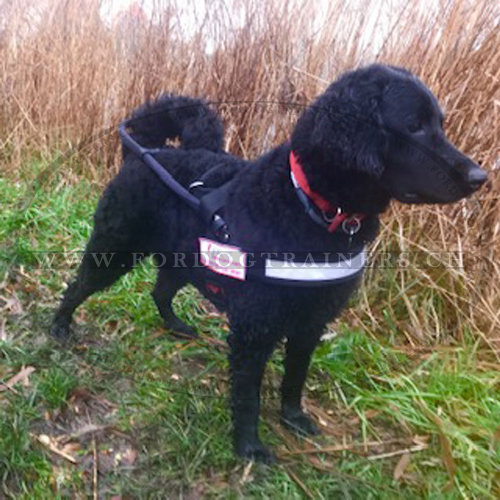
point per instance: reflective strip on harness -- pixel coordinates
(233, 262)
(314, 271)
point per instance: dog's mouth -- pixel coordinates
(410, 197)
(439, 189)
(414, 198)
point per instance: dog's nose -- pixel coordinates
(476, 177)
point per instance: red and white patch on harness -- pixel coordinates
(223, 259)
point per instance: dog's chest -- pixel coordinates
(288, 306)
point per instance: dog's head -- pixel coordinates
(384, 122)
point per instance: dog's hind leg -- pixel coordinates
(97, 271)
(299, 349)
(168, 283)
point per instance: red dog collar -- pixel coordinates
(333, 216)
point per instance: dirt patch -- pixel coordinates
(84, 435)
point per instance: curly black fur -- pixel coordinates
(375, 134)
(170, 117)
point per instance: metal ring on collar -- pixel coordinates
(351, 225)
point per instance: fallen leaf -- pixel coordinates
(51, 445)
(129, 456)
(322, 422)
(246, 473)
(71, 448)
(401, 466)
(421, 439)
(12, 304)
(22, 376)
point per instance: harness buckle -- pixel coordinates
(220, 229)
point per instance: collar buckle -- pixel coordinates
(329, 217)
(317, 207)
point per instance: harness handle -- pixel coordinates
(147, 157)
(205, 206)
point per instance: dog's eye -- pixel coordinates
(415, 127)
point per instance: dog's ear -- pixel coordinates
(344, 126)
(353, 104)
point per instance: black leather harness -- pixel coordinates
(216, 254)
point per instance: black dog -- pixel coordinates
(375, 134)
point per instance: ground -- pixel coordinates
(126, 411)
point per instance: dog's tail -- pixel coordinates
(190, 120)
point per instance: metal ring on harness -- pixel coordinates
(196, 184)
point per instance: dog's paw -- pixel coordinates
(60, 330)
(298, 422)
(180, 330)
(256, 451)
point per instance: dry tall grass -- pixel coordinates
(66, 77)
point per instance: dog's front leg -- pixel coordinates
(247, 360)
(299, 349)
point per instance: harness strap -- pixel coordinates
(207, 206)
(211, 205)
(278, 268)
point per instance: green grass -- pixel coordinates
(167, 401)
